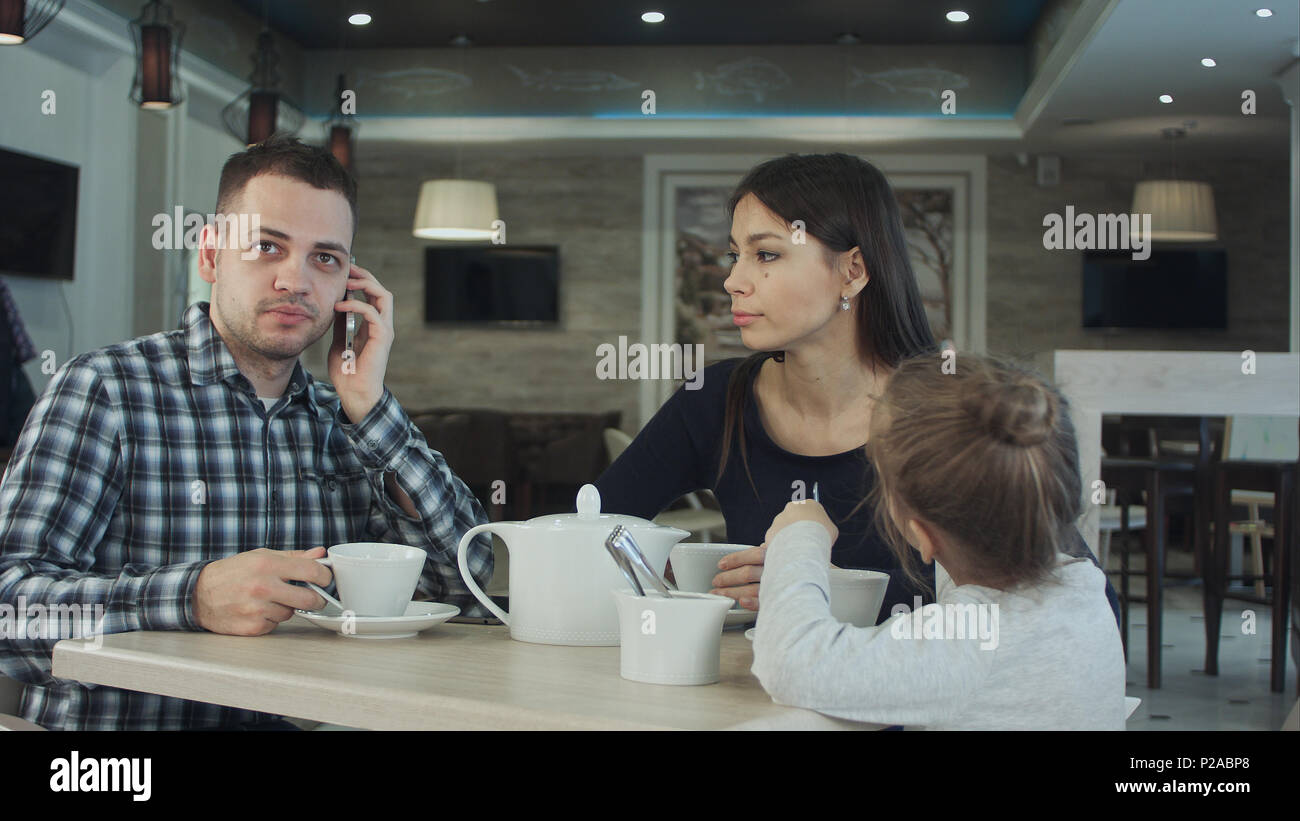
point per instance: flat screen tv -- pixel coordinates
(38, 216)
(492, 284)
(1183, 288)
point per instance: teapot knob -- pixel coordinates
(588, 503)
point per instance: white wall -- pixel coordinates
(93, 127)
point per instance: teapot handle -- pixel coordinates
(469, 578)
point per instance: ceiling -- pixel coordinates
(403, 24)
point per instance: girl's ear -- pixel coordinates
(922, 538)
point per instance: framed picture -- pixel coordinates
(941, 202)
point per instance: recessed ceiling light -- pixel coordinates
(1166, 98)
(1263, 12)
(359, 19)
(957, 16)
(653, 17)
(1208, 62)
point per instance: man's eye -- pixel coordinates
(264, 246)
(327, 259)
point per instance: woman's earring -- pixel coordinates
(844, 303)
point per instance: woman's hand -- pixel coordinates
(740, 574)
(743, 570)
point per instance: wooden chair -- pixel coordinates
(703, 522)
(1261, 454)
(1148, 472)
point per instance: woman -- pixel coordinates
(833, 308)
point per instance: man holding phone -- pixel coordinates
(177, 480)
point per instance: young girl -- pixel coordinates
(976, 471)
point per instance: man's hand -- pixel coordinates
(743, 570)
(248, 594)
(359, 380)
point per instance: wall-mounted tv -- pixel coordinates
(38, 216)
(492, 284)
(1175, 288)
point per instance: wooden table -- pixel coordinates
(451, 677)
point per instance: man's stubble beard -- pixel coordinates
(243, 330)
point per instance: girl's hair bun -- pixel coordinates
(1019, 413)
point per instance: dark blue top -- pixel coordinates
(678, 452)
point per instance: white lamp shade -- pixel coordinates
(456, 209)
(1180, 210)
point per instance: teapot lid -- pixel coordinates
(589, 515)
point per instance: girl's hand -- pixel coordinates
(802, 511)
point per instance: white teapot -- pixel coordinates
(561, 574)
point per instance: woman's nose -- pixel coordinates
(737, 282)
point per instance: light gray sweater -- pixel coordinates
(1041, 658)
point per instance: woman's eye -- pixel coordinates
(732, 256)
(763, 254)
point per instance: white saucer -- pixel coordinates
(749, 634)
(739, 616)
(420, 615)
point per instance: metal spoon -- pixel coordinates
(623, 563)
(621, 540)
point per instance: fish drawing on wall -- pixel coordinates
(413, 82)
(932, 81)
(752, 75)
(573, 80)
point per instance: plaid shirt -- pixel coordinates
(144, 461)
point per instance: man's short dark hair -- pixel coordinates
(288, 157)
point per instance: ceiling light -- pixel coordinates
(1166, 98)
(957, 16)
(359, 19)
(1263, 12)
(653, 17)
(1208, 62)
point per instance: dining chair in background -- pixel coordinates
(1260, 454)
(1142, 467)
(704, 523)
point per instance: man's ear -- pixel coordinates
(208, 253)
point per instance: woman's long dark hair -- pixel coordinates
(844, 202)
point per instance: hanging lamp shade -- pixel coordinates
(21, 20)
(263, 109)
(456, 210)
(1181, 210)
(157, 37)
(341, 129)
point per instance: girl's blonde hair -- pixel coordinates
(985, 452)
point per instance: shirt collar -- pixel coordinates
(211, 361)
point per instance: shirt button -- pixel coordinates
(330, 484)
(372, 444)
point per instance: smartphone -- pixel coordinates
(350, 328)
(350, 323)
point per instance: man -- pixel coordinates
(175, 480)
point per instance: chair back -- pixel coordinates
(1262, 438)
(616, 441)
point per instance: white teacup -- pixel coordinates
(373, 579)
(856, 595)
(670, 641)
(695, 564)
